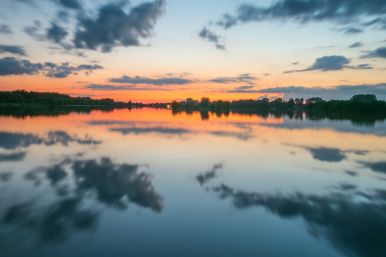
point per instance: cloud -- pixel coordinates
(242, 78)
(114, 27)
(137, 80)
(71, 4)
(12, 157)
(117, 185)
(332, 63)
(327, 63)
(352, 30)
(64, 70)
(205, 177)
(78, 187)
(5, 29)
(11, 141)
(12, 49)
(340, 12)
(377, 53)
(14, 66)
(211, 37)
(376, 166)
(243, 89)
(35, 31)
(341, 92)
(120, 87)
(326, 154)
(151, 130)
(5, 176)
(356, 45)
(56, 33)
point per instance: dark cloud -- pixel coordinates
(327, 63)
(73, 208)
(12, 157)
(14, 66)
(53, 223)
(336, 217)
(376, 166)
(211, 37)
(64, 70)
(352, 30)
(243, 89)
(137, 80)
(5, 176)
(119, 87)
(12, 49)
(5, 29)
(55, 174)
(356, 45)
(242, 78)
(35, 31)
(56, 33)
(72, 4)
(377, 53)
(333, 63)
(114, 27)
(206, 176)
(10, 141)
(341, 12)
(68, 212)
(343, 91)
(327, 154)
(117, 185)
(148, 130)
(362, 66)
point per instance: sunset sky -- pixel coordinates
(163, 50)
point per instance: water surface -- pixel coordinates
(151, 183)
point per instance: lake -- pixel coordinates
(148, 182)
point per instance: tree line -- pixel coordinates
(29, 98)
(358, 103)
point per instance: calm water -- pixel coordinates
(149, 183)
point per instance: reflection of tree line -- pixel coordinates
(354, 222)
(74, 181)
(50, 111)
(360, 109)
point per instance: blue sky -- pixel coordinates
(266, 40)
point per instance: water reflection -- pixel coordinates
(376, 166)
(54, 222)
(11, 140)
(71, 210)
(12, 156)
(352, 221)
(126, 179)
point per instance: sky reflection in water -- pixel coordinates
(152, 183)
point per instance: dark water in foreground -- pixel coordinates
(147, 183)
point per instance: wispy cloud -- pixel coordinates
(377, 53)
(12, 49)
(138, 80)
(353, 16)
(332, 63)
(15, 66)
(242, 78)
(108, 87)
(210, 36)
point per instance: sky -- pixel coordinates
(163, 50)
